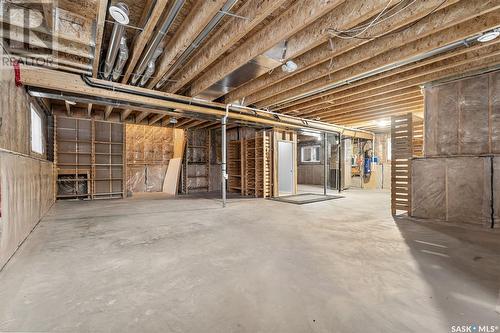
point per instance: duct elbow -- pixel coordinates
(121, 60)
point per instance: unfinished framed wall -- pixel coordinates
(249, 165)
(406, 143)
(458, 180)
(89, 158)
(196, 164)
(149, 151)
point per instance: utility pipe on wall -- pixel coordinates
(224, 155)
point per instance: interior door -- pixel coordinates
(285, 168)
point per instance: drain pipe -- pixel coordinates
(224, 156)
(120, 13)
(148, 55)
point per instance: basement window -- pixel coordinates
(310, 154)
(36, 131)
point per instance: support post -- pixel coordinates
(224, 156)
(325, 162)
(339, 181)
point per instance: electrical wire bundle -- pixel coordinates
(387, 13)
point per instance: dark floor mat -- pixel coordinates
(306, 198)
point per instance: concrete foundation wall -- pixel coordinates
(456, 189)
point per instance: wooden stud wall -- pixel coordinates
(249, 165)
(91, 152)
(196, 168)
(406, 142)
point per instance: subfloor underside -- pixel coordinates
(187, 265)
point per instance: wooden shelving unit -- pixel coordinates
(88, 158)
(234, 166)
(249, 166)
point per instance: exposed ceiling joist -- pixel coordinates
(193, 25)
(254, 11)
(337, 46)
(283, 27)
(389, 49)
(143, 38)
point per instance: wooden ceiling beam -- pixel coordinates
(323, 100)
(382, 52)
(407, 81)
(297, 17)
(125, 114)
(107, 111)
(380, 115)
(334, 112)
(379, 100)
(156, 118)
(141, 116)
(145, 35)
(230, 33)
(100, 22)
(192, 26)
(370, 111)
(328, 50)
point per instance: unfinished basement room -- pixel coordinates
(250, 166)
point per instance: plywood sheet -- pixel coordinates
(172, 177)
(429, 188)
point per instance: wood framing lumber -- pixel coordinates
(301, 14)
(101, 18)
(388, 50)
(233, 30)
(157, 102)
(141, 41)
(192, 26)
(337, 46)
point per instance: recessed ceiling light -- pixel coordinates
(119, 12)
(172, 120)
(488, 36)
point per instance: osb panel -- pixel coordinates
(148, 144)
(473, 129)
(495, 111)
(447, 108)
(468, 189)
(428, 189)
(27, 194)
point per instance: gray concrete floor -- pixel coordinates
(158, 265)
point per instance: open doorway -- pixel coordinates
(318, 167)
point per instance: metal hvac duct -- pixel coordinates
(122, 59)
(150, 69)
(120, 13)
(150, 51)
